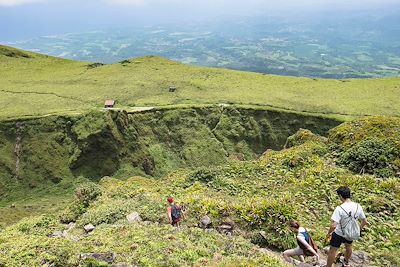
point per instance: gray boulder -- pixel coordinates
(56, 234)
(205, 222)
(133, 217)
(89, 228)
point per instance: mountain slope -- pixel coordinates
(52, 85)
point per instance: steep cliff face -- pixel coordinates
(151, 143)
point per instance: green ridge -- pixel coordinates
(36, 85)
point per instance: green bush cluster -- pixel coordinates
(302, 136)
(108, 212)
(371, 155)
(85, 193)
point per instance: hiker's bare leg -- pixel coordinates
(287, 256)
(301, 257)
(348, 252)
(331, 256)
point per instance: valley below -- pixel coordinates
(84, 185)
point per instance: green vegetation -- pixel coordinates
(41, 85)
(135, 244)
(369, 145)
(206, 156)
(261, 195)
(97, 144)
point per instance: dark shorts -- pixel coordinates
(176, 221)
(338, 240)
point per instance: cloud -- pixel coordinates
(127, 2)
(10, 3)
(149, 3)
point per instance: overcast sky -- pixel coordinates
(30, 18)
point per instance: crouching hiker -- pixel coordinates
(345, 228)
(174, 212)
(306, 245)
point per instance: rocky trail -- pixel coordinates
(74, 233)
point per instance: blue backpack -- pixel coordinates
(176, 212)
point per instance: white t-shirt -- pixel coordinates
(341, 218)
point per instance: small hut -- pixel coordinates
(172, 89)
(109, 103)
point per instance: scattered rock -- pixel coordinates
(146, 222)
(205, 222)
(106, 257)
(120, 264)
(134, 217)
(89, 228)
(70, 226)
(56, 234)
(226, 228)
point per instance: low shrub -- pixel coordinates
(87, 192)
(372, 156)
(84, 194)
(302, 136)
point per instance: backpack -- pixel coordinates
(351, 231)
(310, 241)
(176, 212)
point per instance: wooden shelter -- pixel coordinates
(109, 103)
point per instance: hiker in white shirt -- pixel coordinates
(345, 228)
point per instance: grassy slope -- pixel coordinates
(295, 183)
(52, 85)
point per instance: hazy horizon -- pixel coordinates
(21, 19)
